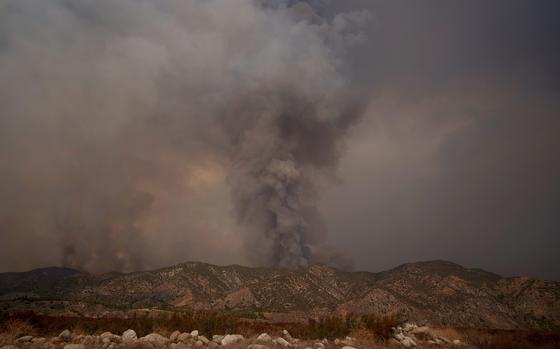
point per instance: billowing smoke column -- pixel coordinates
(110, 107)
(276, 172)
(293, 143)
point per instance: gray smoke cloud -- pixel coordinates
(120, 119)
(274, 181)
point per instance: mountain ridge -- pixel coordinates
(439, 292)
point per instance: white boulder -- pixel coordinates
(174, 335)
(409, 327)
(231, 339)
(408, 342)
(24, 339)
(38, 340)
(156, 339)
(129, 336)
(65, 335)
(183, 337)
(264, 337)
(287, 336)
(282, 342)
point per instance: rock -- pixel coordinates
(198, 344)
(457, 342)
(108, 337)
(257, 346)
(203, 339)
(183, 337)
(348, 347)
(74, 346)
(156, 339)
(319, 345)
(287, 336)
(173, 337)
(65, 335)
(408, 342)
(349, 341)
(129, 336)
(231, 339)
(409, 327)
(421, 329)
(400, 337)
(282, 342)
(39, 340)
(24, 339)
(212, 345)
(194, 333)
(217, 338)
(264, 337)
(179, 346)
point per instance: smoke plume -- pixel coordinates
(120, 118)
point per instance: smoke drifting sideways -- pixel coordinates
(109, 107)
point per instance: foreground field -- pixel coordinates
(213, 330)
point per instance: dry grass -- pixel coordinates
(370, 331)
(381, 326)
(362, 334)
(512, 339)
(206, 322)
(15, 328)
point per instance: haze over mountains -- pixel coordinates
(437, 292)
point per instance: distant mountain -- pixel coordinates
(438, 292)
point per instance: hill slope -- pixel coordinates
(439, 292)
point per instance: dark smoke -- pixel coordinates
(274, 182)
(120, 118)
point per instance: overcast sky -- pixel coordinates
(458, 155)
(120, 122)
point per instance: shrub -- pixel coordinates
(381, 326)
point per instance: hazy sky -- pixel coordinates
(138, 134)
